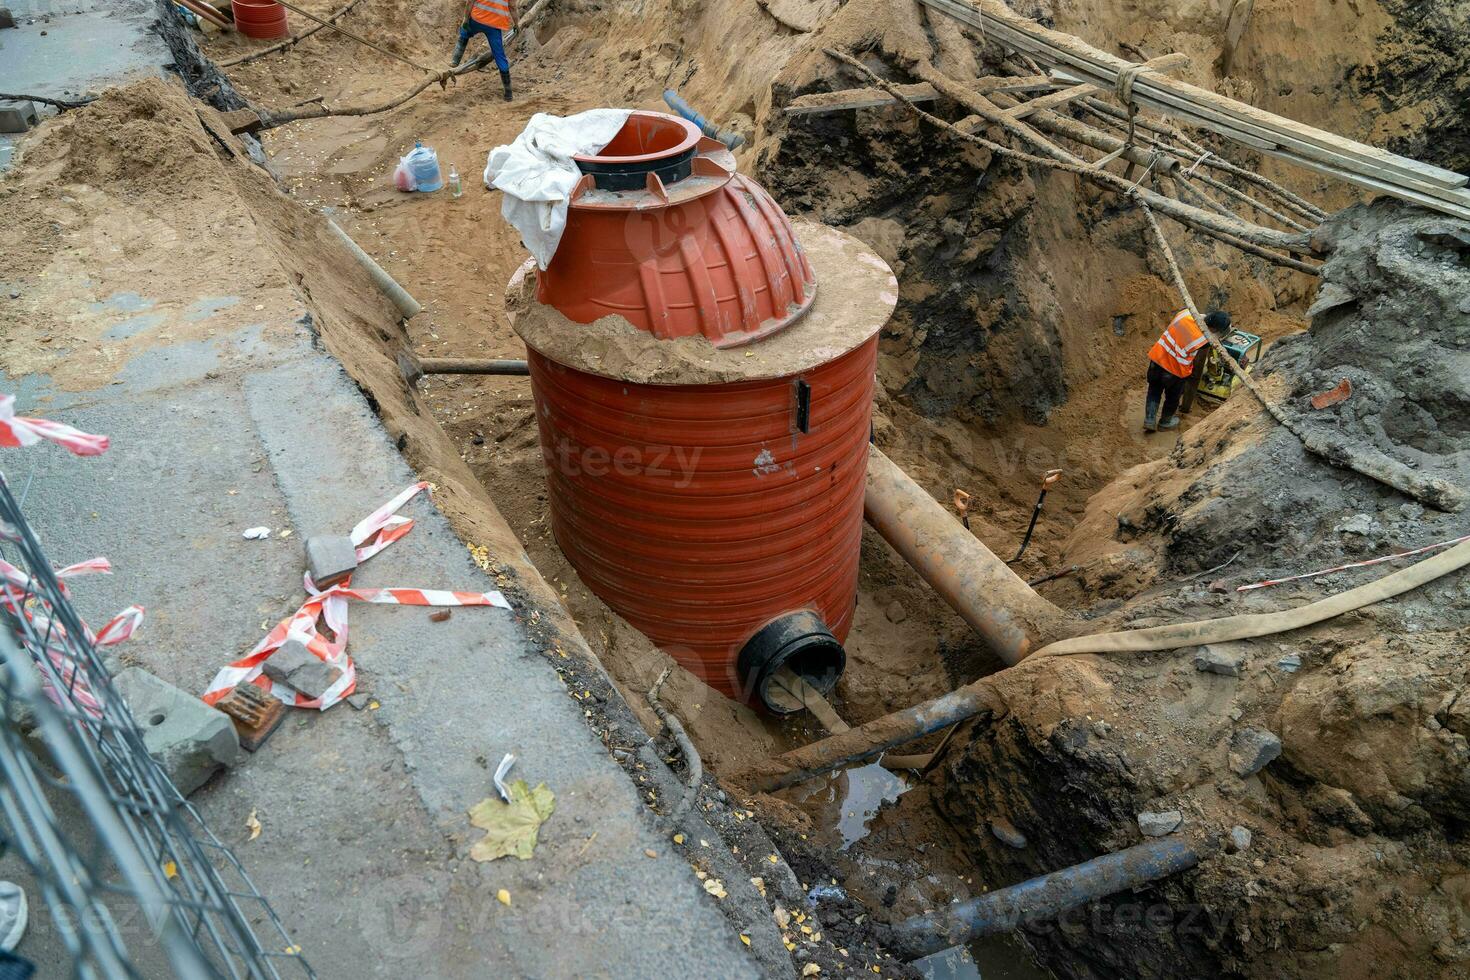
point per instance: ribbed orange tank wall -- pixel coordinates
(700, 512)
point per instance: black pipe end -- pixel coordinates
(631, 175)
(800, 642)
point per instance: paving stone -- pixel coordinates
(1219, 660)
(1251, 750)
(330, 558)
(295, 665)
(189, 739)
(1157, 824)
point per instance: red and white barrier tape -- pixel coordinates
(19, 597)
(16, 431)
(374, 533)
(1357, 564)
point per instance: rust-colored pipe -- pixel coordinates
(1011, 618)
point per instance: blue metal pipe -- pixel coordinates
(677, 103)
(1044, 898)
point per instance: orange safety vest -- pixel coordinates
(491, 13)
(1176, 347)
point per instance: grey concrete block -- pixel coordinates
(17, 117)
(1152, 824)
(330, 558)
(298, 667)
(1251, 750)
(1219, 660)
(189, 739)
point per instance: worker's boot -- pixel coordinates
(1151, 416)
(505, 80)
(459, 51)
(1172, 422)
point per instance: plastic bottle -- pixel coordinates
(424, 163)
(455, 188)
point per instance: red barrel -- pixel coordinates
(260, 19)
(703, 513)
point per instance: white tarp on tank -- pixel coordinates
(536, 172)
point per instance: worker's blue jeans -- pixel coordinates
(492, 37)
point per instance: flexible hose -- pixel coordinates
(1177, 635)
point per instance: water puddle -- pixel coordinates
(992, 958)
(849, 799)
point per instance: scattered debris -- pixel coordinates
(1157, 824)
(501, 771)
(256, 533)
(1332, 396)
(1214, 659)
(1251, 750)
(252, 824)
(255, 713)
(1290, 663)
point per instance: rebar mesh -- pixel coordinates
(70, 744)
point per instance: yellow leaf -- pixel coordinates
(783, 917)
(714, 887)
(790, 946)
(252, 824)
(293, 950)
(678, 838)
(503, 897)
(745, 939)
(807, 930)
(810, 970)
(170, 870)
(511, 828)
(373, 705)
(773, 859)
(286, 533)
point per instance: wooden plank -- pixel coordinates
(1005, 26)
(869, 98)
(1051, 101)
(1240, 15)
(856, 98)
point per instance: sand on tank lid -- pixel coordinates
(856, 294)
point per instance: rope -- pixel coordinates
(290, 40)
(1123, 86)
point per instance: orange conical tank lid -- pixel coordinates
(663, 232)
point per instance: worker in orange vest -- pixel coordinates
(490, 18)
(1172, 361)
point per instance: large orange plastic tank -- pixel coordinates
(720, 513)
(698, 514)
